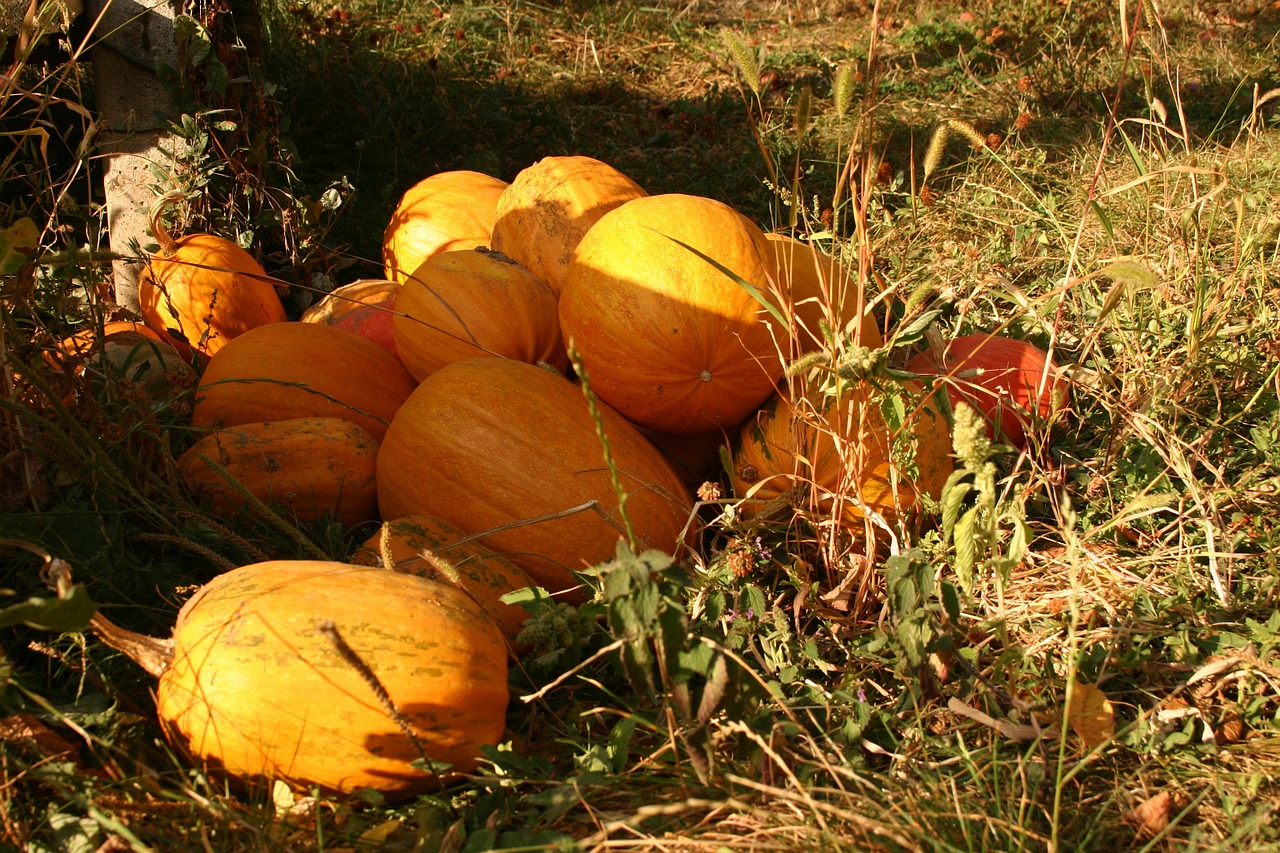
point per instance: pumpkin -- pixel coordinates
(123, 349)
(470, 304)
(696, 458)
(1002, 378)
(364, 307)
(267, 677)
(550, 205)
(443, 212)
(472, 568)
(301, 370)
(834, 456)
(819, 292)
(311, 465)
(668, 340)
(491, 443)
(203, 290)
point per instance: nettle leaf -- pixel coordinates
(714, 691)
(913, 635)
(950, 601)
(67, 613)
(954, 494)
(966, 549)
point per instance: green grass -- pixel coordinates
(1120, 209)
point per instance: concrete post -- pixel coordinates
(132, 39)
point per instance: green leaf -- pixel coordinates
(951, 601)
(966, 550)
(18, 243)
(953, 497)
(67, 613)
(715, 690)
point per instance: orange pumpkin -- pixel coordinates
(312, 466)
(835, 456)
(489, 443)
(471, 304)
(301, 370)
(255, 686)
(125, 350)
(434, 549)
(548, 208)
(668, 340)
(444, 212)
(1012, 382)
(204, 290)
(364, 307)
(819, 292)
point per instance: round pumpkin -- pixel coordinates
(550, 205)
(256, 687)
(834, 456)
(203, 290)
(312, 466)
(819, 292)
(471, 304)
(1002, 378)
(301, 370)
(669, 340)
(491, 443)
(443, 212)
(364, 307)
(125, 350)
(434, 549)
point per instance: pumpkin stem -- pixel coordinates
(168, 245)
(150, 653)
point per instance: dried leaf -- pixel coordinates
(1090, 714)
(1151, 817)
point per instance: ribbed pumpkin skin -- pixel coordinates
(476, 570)
(301, 370)
(667, 339)
(364, 307)
(207, 293)
(311, 465)
(471, 304)
(814, 282)
(792, 445)
(486, 442)
(258, 692)
(1000, 377)
(550, 205)
(444, 212)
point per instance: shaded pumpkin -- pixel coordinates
(203, 290)
(490, 443)
(835, 456)
(254, 686)
(468, 565)
(1002, 378)
(312, 466)
(301, 370)
(819, 292)
(471, 304)
(364, 307)
(696, 458)
(667, 339)
(443, 212)
(550, 205)
(126, 350)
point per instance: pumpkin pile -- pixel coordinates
(445, 403)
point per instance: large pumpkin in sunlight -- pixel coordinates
(667, 338)
(505, 448)
(1012, 382)
(550, 205)
(301, 370)
(819, 292)
(260, 687)
(837, 456)
(471, 304)
(443, 212)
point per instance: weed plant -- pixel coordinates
(1074, 649)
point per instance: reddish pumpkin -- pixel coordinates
(364, 307)
(1012, 382)
(489, 443)
(444, 212)
(311, 466)
(302, 370)
(669, 340)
